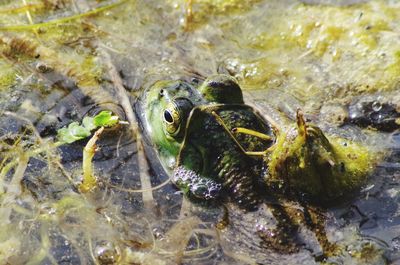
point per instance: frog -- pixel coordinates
(217, 149)
(186, 126)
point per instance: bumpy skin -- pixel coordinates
(194, 132)
(206, 162)
(207, 152)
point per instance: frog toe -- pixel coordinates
(279, 240)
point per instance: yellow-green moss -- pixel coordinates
(358, 161)
(7, 78)
(353, 46)
(394, 68)
(322, 168)
(200, 11)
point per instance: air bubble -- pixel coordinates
(157, 233)
(199, 187)
(396, 243)
(376, 106)
(171, 162)
(200, 191)
(107, 253)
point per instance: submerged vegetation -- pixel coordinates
(62, 61)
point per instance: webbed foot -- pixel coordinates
(283, 238)
(223, 221)
(280, 239)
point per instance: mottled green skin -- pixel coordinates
(206, 163)
(209, 161)
(208, 151)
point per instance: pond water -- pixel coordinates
(62, 60)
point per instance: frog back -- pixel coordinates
(212, 150)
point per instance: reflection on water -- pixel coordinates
(64, 59)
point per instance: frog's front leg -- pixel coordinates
(188, 178)
(195, 186)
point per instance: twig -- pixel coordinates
(185, 208)
(19, 174)
(147, 195)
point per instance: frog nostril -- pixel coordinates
(168, 116)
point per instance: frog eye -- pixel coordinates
(171, 121)
(168, 118)
(175, 116)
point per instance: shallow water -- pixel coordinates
(64, 59)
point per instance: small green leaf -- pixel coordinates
(72, 133)
(88, 123)
(64, 136)
(78, 131)
(105, 118)
(75, 131)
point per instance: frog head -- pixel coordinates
(166, 106)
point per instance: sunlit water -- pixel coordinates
(64, 59)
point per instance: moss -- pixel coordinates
(256, 74)
(394, 68)
(7, 78)
(268, 41)
(354, 50)
(90, 72)
(324, 169)
(199, 12)
(354, 162)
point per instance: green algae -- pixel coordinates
(7, 76)
(358, 39)
(325, 169)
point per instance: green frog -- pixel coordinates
(218, 149)
(190, 128)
